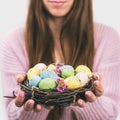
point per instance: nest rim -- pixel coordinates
(56, 98)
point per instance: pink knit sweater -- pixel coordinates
(107, 62)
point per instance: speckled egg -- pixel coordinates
(83, 77)
(32, 72)
(49, 74)
(73, 82)
(34, 81)
(82, 68)
(66, 71)
(40, 66)
(47, 84)
(51, 67)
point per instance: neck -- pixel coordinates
(55, 25)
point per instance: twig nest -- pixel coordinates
(57, 84)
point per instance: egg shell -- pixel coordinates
(34, 81)
(82, 68)
(73, 82)
(49, 74)
(83, 77)
(40, 66)
(47, 84)
(66, 71)
(32, 72)
(51, 67)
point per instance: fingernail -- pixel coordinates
(80, 102)
(30, 103)
(39, 107)
(96, 83)
(22, 94)
(18, 76)
(97, 77)
(88, 94)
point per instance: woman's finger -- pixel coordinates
(38, 108)
(97, 76)
(20, 78)
(90, 96)
(19, 100)
(29, 105)
(81, 103)
(98, 88)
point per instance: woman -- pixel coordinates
(63, 30)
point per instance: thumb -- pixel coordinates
(20, 78)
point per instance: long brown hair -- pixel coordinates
(77, 32)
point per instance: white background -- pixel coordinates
(13, 14)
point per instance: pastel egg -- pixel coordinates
(66, 71)
(51, 67)
(83, 77)
(73, 82)
(34, 81)
(49, 74)
(47, 84)
(40, 66)
(32, 72)
(82, 68)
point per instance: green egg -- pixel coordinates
(47, 84)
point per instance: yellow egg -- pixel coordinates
(51, 67)
(82, 68)
(32, 72)
(73, 82)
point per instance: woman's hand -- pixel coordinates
(90, 96)
(29, 104)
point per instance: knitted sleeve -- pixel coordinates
(13, 61)
(107, 63)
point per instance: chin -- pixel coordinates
(58, 14)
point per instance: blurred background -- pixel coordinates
(13, 14)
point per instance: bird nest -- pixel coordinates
(62, 94)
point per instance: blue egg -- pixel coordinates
(34, 81)
(66, 67)
(49, 74)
